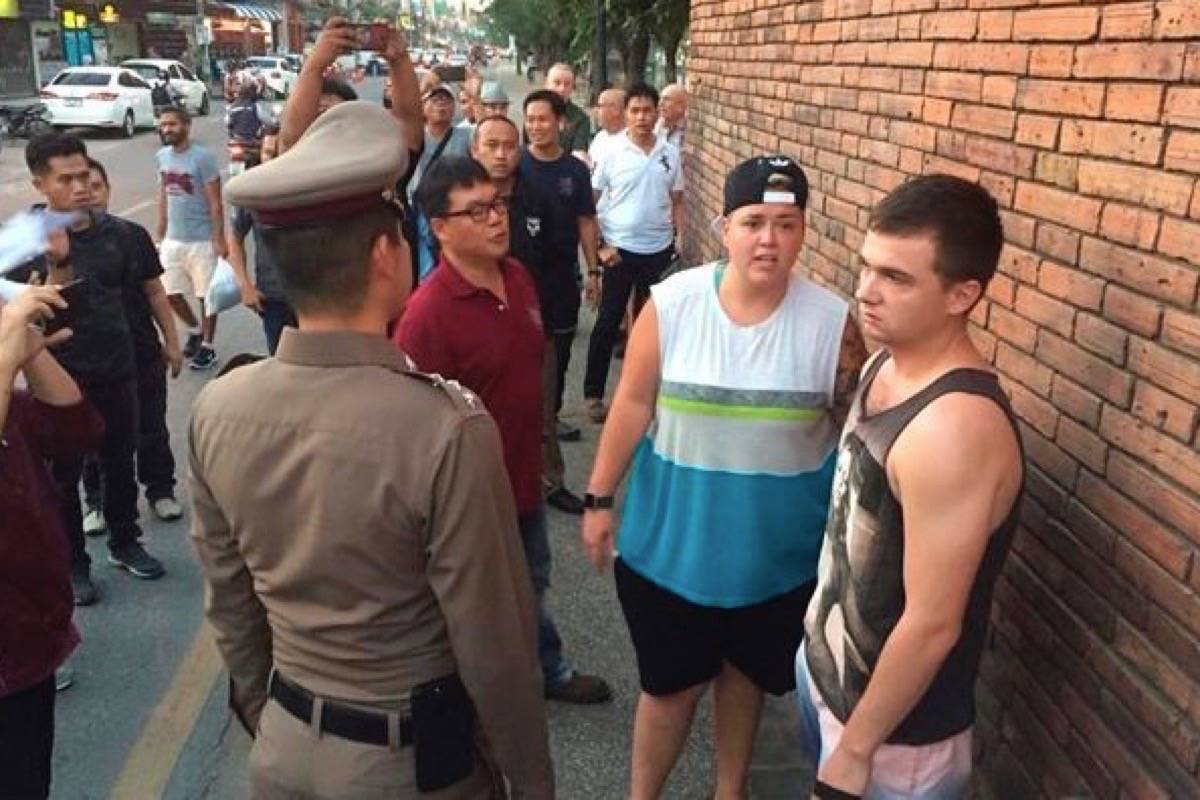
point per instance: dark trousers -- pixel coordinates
(636, 273)
(276, 315)
(26, 742)
(155, 462)
(117, 404)
(562, 359)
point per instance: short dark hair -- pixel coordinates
(494, 118)
(447, 175)
(640, 89)
(98, 167)
(325, 266)
(178, 111)
(42, 148)
(558, 106)
(339, 88)
(960, 215)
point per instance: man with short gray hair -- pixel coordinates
(577, 128)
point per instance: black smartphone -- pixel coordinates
(443, 721)
(75, 293)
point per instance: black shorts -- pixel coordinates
(680, 644)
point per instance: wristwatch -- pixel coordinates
(592, 501)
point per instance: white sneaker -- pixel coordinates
(94, 523)
(167, 509)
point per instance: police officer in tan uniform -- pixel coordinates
(363, 569)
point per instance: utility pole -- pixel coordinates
(599, 48)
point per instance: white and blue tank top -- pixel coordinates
(730, 488)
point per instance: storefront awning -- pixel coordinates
(253, 11)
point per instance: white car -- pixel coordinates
(99, 97)
(278, 73)
(179, 77)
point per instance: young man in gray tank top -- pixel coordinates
(923, 510)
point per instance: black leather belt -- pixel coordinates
(347, 722)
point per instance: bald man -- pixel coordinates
(610, 115)
(672, 115)
(577, 128)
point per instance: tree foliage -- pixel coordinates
(562, 30)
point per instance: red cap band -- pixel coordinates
(318, 212)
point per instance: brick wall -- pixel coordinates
(1083, 119)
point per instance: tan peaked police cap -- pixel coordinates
(341, 165)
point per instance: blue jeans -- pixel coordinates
(535, 537)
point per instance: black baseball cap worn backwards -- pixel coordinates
(765, 179)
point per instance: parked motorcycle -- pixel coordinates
(25, 122)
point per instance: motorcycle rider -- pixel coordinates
(242, 122)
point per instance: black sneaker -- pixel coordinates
(564, 501)
(134, 559)
(194, 341)
(583, 690)
(82, 587)
(205, 358)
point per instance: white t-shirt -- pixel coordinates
(635, 202)
(601, 144)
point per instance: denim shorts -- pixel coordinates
(937, 771)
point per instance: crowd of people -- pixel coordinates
(368, 504)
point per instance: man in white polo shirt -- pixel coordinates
(641, 185)
(610, 119)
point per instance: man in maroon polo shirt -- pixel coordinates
(50, 419)
(476, 320)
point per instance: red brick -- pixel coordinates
(936, 111)
(1132, 311)
(877, 29)
(999, 90)
(900, 105)
(1075, 401)
(1091, 371)
(1037, 130)
(1012, 328)
(1063, 245)
(1076, 98)
(1065, 208)
(1129, 225)
(936, 164)
(1139, 61)
(1177, 19)
(1109, 749)
(1062, 171)
(1138, 185)
(1183, 151)
(992, 154)
(995, 26)
(1171, 371)
(955, 85)
(910, 54)
(1182, 106)
(1181, 331)
(1102, 338)
(1056, 24)
(1081, 443)
(1000, 187)
(1071, 285)
(1002, 290)
(1038, 413)
(1023, 368)
(1180, 239)
(1167, 550)
(1132, 645)
(1191, 63)
(1156, 277)
(912, 134)
(983, 57)
(1018, 230)
(949, 25)
(1146, 444)
(1169, 503)
(1049, 458)
(981, 119)
(1051, 60)
(1127, 21)
(1164, 411)
(1140, 143)
(1137, 102)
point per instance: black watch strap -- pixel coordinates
(592, 501)
(823, 791)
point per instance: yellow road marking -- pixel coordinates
(150, 763)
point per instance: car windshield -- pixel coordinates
(147, 71)
(83, 79)
(262, 62)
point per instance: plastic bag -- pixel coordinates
(223, 290)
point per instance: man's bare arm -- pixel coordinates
(160, 228)
(406, 92)
(950, 504)
(589, 240)
(304, 103)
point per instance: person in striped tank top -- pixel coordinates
(737, 378)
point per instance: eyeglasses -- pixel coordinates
(479, 211)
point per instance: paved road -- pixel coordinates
(146, 717)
